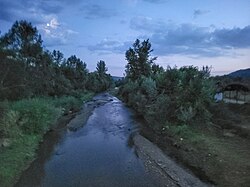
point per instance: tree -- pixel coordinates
(25, 41)
(139, 60)
(76, 71)
(101, 68)
(57, 57)
(99, 80)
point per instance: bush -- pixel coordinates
(178, 96)
(72, 103)
(8, 124)
(36, 115)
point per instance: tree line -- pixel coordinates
(27, 69)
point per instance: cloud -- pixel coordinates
(43, 15)
(199, 12)
(53, 23)
(55, 33)
(96, 11)
(142, 23)
(169, 38)
(110, 46)
(236, 37)
(28, 9)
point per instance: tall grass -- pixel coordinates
(36, 115)
(22, 125)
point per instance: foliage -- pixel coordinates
(15, 158)
(139, 61)
(36, 115)
(101, 68)
(8, 124)
(99, 80)
(72, 103)
(172, 95)
(27, 69)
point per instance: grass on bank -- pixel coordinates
(224, 160)
(22, 126)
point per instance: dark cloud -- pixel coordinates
(169, 38)
(8, 10)
(199, 12)
(96, 11)
(185, 39)
(28, 9)
(236, 37)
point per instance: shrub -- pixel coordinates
(8, 124)
(36, 115)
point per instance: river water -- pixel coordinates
(101, 153)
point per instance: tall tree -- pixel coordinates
(139, 60)
(101, 68)
(25, 40)
(76, 71)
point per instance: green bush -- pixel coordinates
(178, 96)
(67, 103)
(36, 115)
(72, 103)
(8, 124)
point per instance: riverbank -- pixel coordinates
(23, 125)
(162, 166)
(217, 153)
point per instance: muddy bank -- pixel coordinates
(159, 163)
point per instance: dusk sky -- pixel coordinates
(182, 32)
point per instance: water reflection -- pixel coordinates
(99, 154)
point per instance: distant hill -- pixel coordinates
(115, 78)
(244, 73)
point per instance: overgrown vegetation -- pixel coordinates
(166, 96)
(36, 88)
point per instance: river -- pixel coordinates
(101, 153)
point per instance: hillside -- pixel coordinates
(244, 73)
(115, 78)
